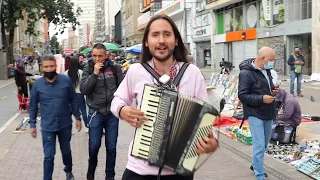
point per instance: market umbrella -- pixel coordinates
(134, 49)
(111, 47)
(85, 51)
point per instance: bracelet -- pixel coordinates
(120, 110)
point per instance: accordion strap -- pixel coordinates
(151, 71)
(176, 80)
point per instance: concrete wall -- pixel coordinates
(315, 36)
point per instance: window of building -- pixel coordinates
(263, 20)
(278, 12)
(238, 19)
(220, 23)
(228, 19)
(299, 10)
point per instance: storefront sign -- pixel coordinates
(266, 4)
(171, 9)
(201, 32)
(143, 20)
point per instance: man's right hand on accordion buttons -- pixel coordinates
(133, 116)
(207, 144)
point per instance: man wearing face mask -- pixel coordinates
(58, 101)
(296, 62)
(256, 92)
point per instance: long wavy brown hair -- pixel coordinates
(180, 51)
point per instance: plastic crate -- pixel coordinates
(247, 140)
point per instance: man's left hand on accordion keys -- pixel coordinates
(135, 118)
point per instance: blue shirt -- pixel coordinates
(58, 101)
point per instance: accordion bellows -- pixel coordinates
(174, 126)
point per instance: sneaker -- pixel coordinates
(70, 176)
(300, 95)
(265, 174)
(293, 94)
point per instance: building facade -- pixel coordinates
(118, 31)
(242, 27)
(87, 20)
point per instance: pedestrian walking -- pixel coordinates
(75, 74)
(58, 101)
(100, 80)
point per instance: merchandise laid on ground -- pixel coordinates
(304, 157)
(24, 125)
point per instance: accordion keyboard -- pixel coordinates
(204, 129)
(143, 135)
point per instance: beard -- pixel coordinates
(162, 58)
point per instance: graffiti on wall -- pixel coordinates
(277, 44)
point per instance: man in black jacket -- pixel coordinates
(256, 92)
(99, 82)
(20, 78)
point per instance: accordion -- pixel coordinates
(174, 126)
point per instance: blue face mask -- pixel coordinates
(21, 65)
(269, 65)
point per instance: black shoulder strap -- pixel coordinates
(178, 78)
(151, 71)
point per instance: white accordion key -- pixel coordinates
(203, 130)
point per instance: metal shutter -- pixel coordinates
(219, 54)
(238, 53)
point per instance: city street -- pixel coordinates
(8, 100)
(21, 158)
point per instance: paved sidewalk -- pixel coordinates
(21, 158)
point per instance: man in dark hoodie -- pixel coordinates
(99, 82)
(290, 111)
(256, 92)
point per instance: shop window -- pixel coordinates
(238, 19)
(228, 19)
(220, 23)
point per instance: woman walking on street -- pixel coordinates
(75, 74)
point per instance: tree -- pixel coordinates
(55, 44)
(58, 12)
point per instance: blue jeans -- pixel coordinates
(293, 76)
(49, 149)
(261, 134)
(83, 108)
(110, 123)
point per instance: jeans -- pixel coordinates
(83, 108)
(110, 123)
(49, 149)
(293, 76)
(261, 134)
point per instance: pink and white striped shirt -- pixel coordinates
(191, 84)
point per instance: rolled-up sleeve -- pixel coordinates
(124, 94)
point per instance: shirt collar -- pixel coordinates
(255, 66)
